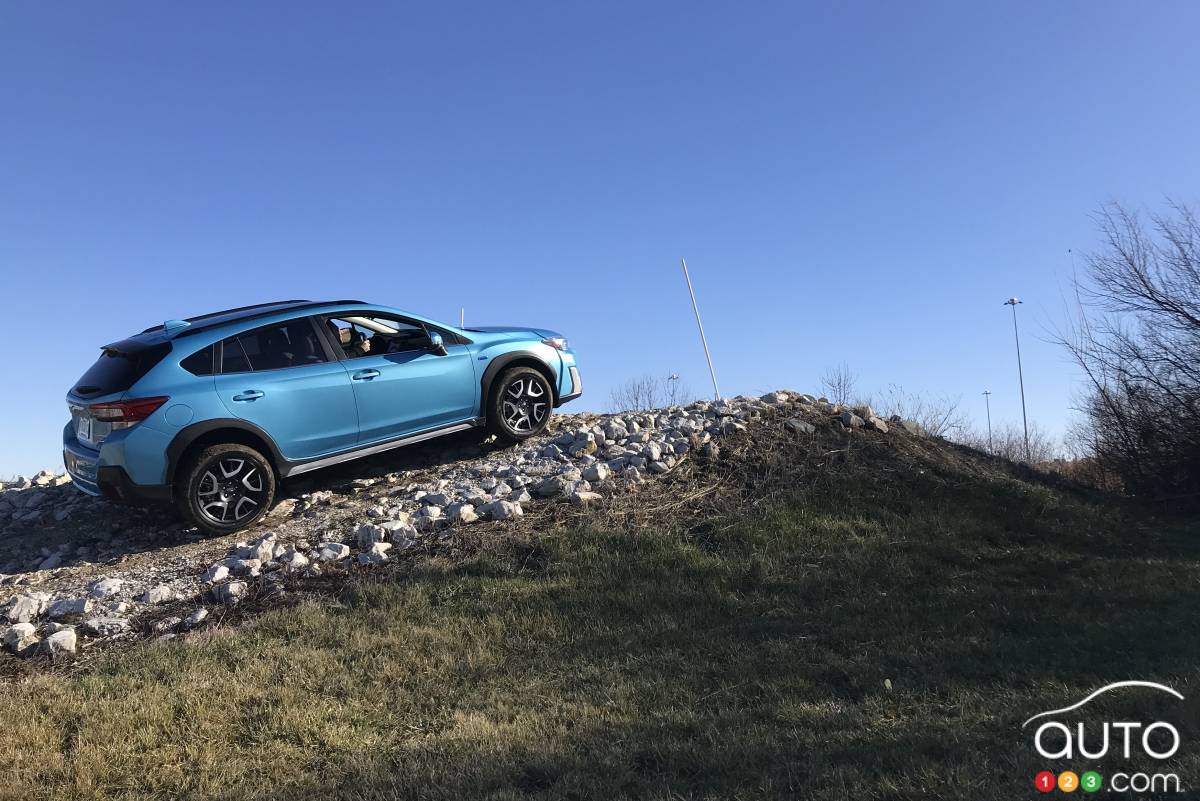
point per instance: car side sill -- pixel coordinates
(317, 464)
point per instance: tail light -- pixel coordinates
(558, 343)
(126, 413)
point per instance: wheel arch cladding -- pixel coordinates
(195, 438)
(520, 359)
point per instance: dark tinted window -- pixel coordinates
(120, 366)
(200, 362)
(273, 347)
(372, 335)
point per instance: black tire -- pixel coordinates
(519, 404)
(225, 488)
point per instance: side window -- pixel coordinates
(376, 336)
(273, 347)
(200, 362)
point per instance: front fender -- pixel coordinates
(534, 357)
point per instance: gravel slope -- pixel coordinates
(77, 571)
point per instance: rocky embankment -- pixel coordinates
(75, 571)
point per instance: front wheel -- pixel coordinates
(226, 488)
(520, 404)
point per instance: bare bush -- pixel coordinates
(650, 392)
(1008, 442)
(838, 384)
(1137, 340)
(940, 416)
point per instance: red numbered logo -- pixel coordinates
(1045, 781)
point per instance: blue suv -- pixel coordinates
(209, 413)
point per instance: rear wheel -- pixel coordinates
(226, 488)
(520, 404)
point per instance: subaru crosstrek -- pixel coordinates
(209, 413)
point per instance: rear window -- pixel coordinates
(200, 362)
(120, 366)
(272, 347)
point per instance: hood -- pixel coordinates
(513, 329)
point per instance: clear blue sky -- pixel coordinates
(862, 183)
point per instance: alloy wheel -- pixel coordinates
(231, 490)
(526, 403)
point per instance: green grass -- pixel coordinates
(746, 659)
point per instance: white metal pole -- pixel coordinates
(700, 325)
(462, 317)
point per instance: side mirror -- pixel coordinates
(436, 345)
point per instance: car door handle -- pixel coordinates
(365, 375)
(249, 395)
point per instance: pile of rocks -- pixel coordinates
(586, 458)
(45, 496)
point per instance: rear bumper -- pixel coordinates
(116, 485)
(81, 463)
(91, 477)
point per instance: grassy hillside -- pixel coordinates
(729, 633)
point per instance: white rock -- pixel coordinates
(69, 608)
(368, 534)
(108, 626)
(25, 608)
(375, 555)
(652, 452)
(292, 559)
(333, 551)
(461, 513)
(230, 593)
(217, 572)
(245, 567)
(104, 588)
(20, 636)
(502, 510)
(597, 472)
(798, 426)
(158, 595)
(59, 643)
(585, 498)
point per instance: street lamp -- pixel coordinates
(1020, 373)
(987, 400)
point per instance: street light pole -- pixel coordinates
(700, 325)
(987, 400)
(1020, 372)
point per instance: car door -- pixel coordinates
(400, 385)
(284, 379)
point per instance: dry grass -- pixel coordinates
(724, 633)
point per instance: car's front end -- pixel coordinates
(569, 386)
(549, 347)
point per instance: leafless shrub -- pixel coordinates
(1008, 442)
(650, 392)
(940, 416)
(1137, 339)
(838, 384)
